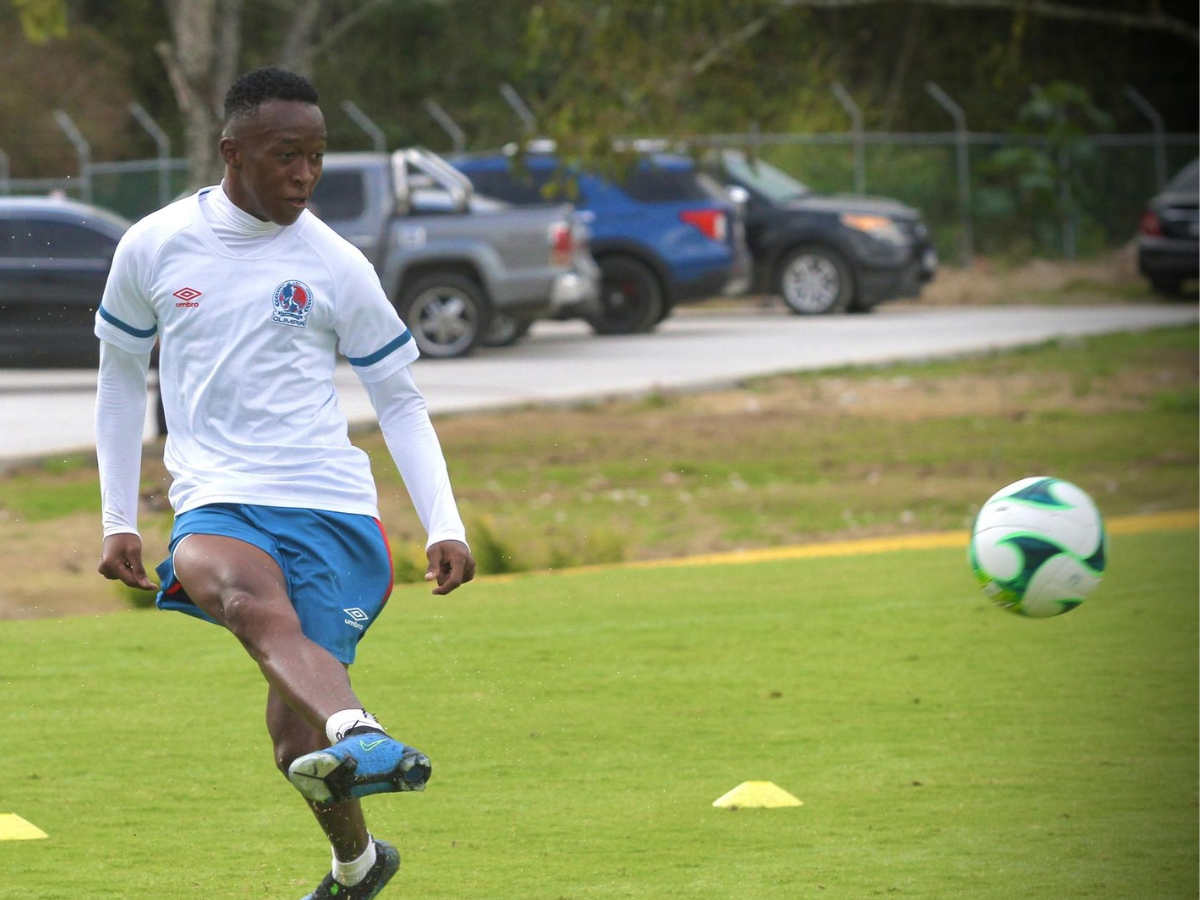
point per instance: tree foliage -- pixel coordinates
(590, 69)
(42, 20)
(667, 65)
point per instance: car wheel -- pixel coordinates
(631, 298)
(814, 281)
(448, 314)
(506, 330)
(1166, 285)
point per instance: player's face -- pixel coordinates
(273, 160)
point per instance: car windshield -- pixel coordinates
(1188, 179)
(762, 177)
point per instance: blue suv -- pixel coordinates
(664, 234)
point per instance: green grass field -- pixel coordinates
(582, 724)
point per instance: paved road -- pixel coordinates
(48, 413)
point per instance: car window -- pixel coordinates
(762, 177)
(657, 184)
(520, 188)
(340, 196)
(1188, 179)
(38, 239)
(712, 187)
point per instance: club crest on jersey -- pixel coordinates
(293, 302)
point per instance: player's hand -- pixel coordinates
(121, 560)
(450, 565)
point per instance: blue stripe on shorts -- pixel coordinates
(337, 566)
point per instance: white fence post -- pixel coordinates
(163, 143)
(1156, 122)
(524, 113)
(458, 138)
(961, 141)
(856, 122)
(363, 121)
(82, 149)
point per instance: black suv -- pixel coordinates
(826, 253)
(1168, 240)
(54, 260)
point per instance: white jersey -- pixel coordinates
(248, 348)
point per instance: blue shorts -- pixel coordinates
(337, 566)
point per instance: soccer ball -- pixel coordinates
(1038, 547)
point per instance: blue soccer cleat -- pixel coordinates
(358, 765)
(387, 864)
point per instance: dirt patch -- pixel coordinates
(55, 570)
(908, 399)
(1110, 279)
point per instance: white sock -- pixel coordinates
(351, 873)
(344, 720)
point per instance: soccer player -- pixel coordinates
(276, 534)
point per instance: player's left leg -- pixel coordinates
(361, 865)
(292, 738)
(340, 575)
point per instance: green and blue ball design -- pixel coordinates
(1038, 547)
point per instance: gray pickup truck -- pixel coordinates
(462, 270)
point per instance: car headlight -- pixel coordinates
(880, 227)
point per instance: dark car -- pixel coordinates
(54, 260)
(826, 253)
(1168, 239)
(661, 235)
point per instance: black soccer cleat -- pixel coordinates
(387, 864)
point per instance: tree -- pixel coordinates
(628, 66)
(205, 54)
(201, 62)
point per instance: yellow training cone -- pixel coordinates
(756, 795)
(14, 828)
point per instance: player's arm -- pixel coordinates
(127, 327)
(120, 419)
(380, 349)
(413, 443)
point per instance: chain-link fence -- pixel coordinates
(981, 194)
(989, 194)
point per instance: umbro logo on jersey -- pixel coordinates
(357, 617)
(187, 298)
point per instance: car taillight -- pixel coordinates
(712, 223)
(1150, 224)
(562, 243)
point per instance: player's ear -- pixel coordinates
(231, 153)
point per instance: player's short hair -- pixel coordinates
(256, 87)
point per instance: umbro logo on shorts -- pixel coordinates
(357, 618)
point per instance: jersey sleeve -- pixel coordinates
(126, 317)
(370, 334)
(413, 443)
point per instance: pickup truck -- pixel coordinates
(463, 271)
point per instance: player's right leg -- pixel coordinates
(239, 582)
(242, 587)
